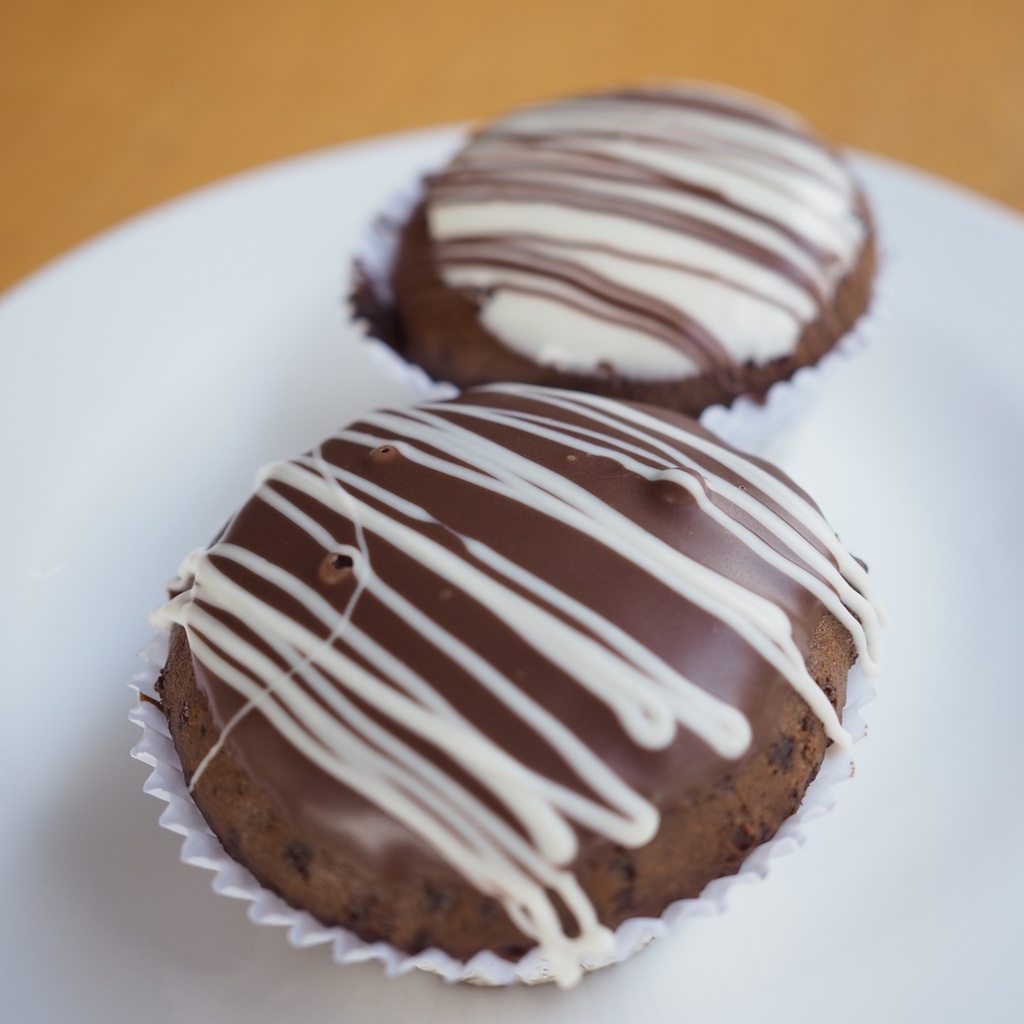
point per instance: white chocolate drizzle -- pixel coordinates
(330, 687)
(660, 232)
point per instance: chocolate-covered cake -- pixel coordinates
(676, 244)
(509, 670)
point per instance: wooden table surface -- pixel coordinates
(110, 106)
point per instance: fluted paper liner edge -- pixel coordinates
(200, 847)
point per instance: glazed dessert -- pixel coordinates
(680, 245)
(507, 671)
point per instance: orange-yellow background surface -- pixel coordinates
(110, 106)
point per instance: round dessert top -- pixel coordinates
(489, 630)
(653, 233)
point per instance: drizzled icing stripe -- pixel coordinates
(326, 679)
(731, 216)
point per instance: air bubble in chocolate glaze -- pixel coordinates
(385, 453)
(336, 568)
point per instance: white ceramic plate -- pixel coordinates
(145, 376)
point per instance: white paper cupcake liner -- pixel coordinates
(765, 426)
(201, 848)
(762, 426)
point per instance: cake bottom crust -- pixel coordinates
(699, 839)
